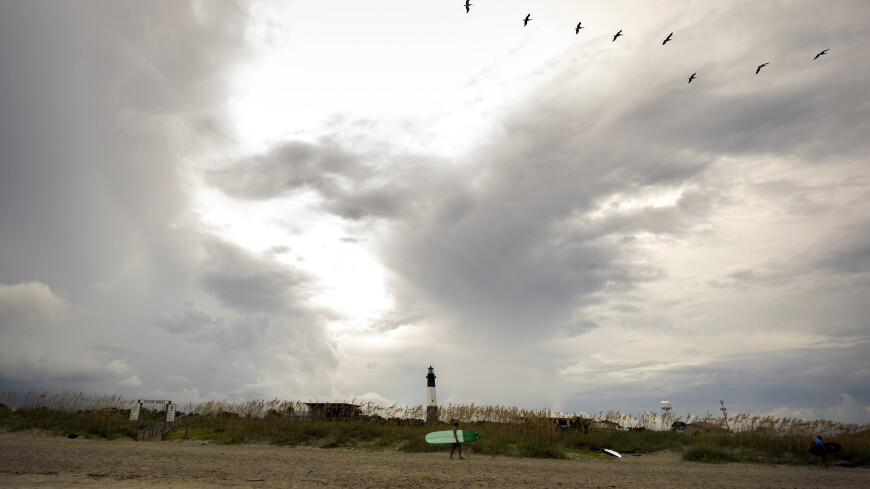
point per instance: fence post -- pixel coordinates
(137, 421)
(165, 417)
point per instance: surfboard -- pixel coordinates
(447, 436)
(831, 448)
(613, 453)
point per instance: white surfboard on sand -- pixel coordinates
(612, 452)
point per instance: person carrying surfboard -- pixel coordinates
(457, 443)
(823, 451)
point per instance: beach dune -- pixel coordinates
(35, 460)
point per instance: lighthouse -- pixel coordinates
(431, 402)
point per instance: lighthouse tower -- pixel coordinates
(431, 403)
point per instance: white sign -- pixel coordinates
(152, 401)
(170, 413)
(134, 412)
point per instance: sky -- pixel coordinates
(238, 200)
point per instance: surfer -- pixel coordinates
(823, 452)
(456, 444)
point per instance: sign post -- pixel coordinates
(134, 415)
(166, 404)
(165, 417)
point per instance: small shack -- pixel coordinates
(332, 411)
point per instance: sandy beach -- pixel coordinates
(35, 460)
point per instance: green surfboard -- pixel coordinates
(447, 436)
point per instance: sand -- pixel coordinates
(34, 460)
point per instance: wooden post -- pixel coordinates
(165, 417)
(136, 436)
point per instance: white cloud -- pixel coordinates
(185, 397)
(31, 315)
(29, 303)
(793, 413)
(848, 411)
(119, 368)
(132, 381)
(372, 397)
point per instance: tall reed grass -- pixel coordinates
(506, 430)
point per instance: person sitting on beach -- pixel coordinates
(457, 443)
(824, 451)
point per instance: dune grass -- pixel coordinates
(98, 423)
(506, 431)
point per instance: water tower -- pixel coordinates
(666, 406)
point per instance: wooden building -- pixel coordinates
(332, 411)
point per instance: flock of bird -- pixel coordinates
(577, 28)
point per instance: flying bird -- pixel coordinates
(823, 52)
(692, 77)
(617, 35)
(468, 5)
(527, 19)
(577, 29)
(668, 39)
(762, 65)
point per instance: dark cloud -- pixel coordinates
(749, 383)
(198, 326)
(287, 168)
(381, 202)
(250, 284)
(104, 106)
(518, 256)
(101, 103)
(114, 349)
(849, 257)
(179, 51)
(89, 175)
(844, 253)
(743, 277)
(353, 186)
